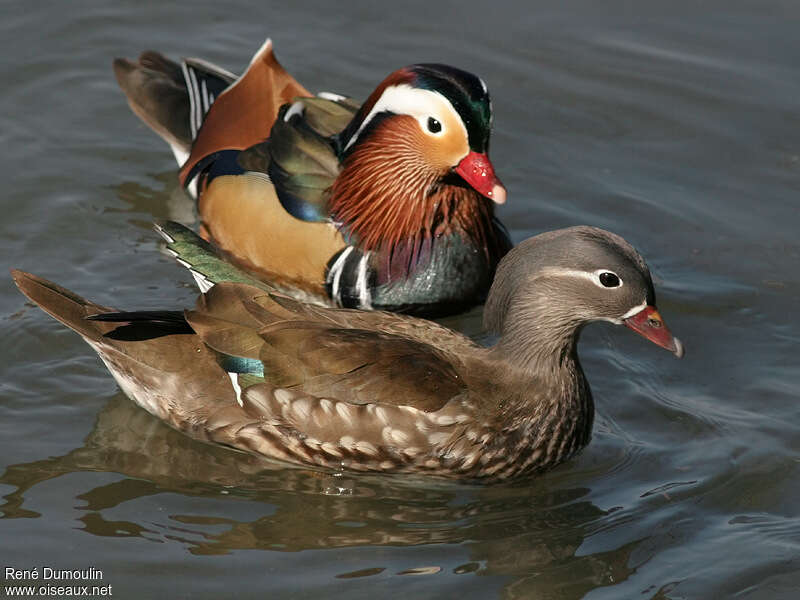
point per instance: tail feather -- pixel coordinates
(144, 324)
(217, 76)
(171, 98)
(95, 322)
(63, 305)
(204, 82)
(158, 95)
(153, 361)
(163, 317)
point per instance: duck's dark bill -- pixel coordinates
(648, 323)
(478, 172)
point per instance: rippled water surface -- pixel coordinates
(676, 126)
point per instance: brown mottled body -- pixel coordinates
(377, 391)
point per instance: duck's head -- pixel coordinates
(551, 285)
(424, 127)
(443, 115)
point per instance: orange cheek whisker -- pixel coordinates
(388, 197)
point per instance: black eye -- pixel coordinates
(609, 279)
(433, 125)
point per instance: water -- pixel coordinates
(674, 125)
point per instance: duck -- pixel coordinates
(385, 205)
(374, 391)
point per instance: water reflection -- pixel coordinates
(526, 533)
(161, 196)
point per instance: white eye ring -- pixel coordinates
(431, 125)
(607, 279)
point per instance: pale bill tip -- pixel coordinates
(498, 194)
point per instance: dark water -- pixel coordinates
(674, 124)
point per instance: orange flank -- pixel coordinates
(244, 216)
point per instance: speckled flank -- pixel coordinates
(300, 428)
(372, 391)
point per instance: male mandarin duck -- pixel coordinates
(378, 391)
(387, 206)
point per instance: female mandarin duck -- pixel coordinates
(378, 391)
(386, 206)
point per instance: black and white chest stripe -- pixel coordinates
(349, 279)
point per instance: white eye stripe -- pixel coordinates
(593, 276)
(406, 100)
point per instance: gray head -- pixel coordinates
(551, 285)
